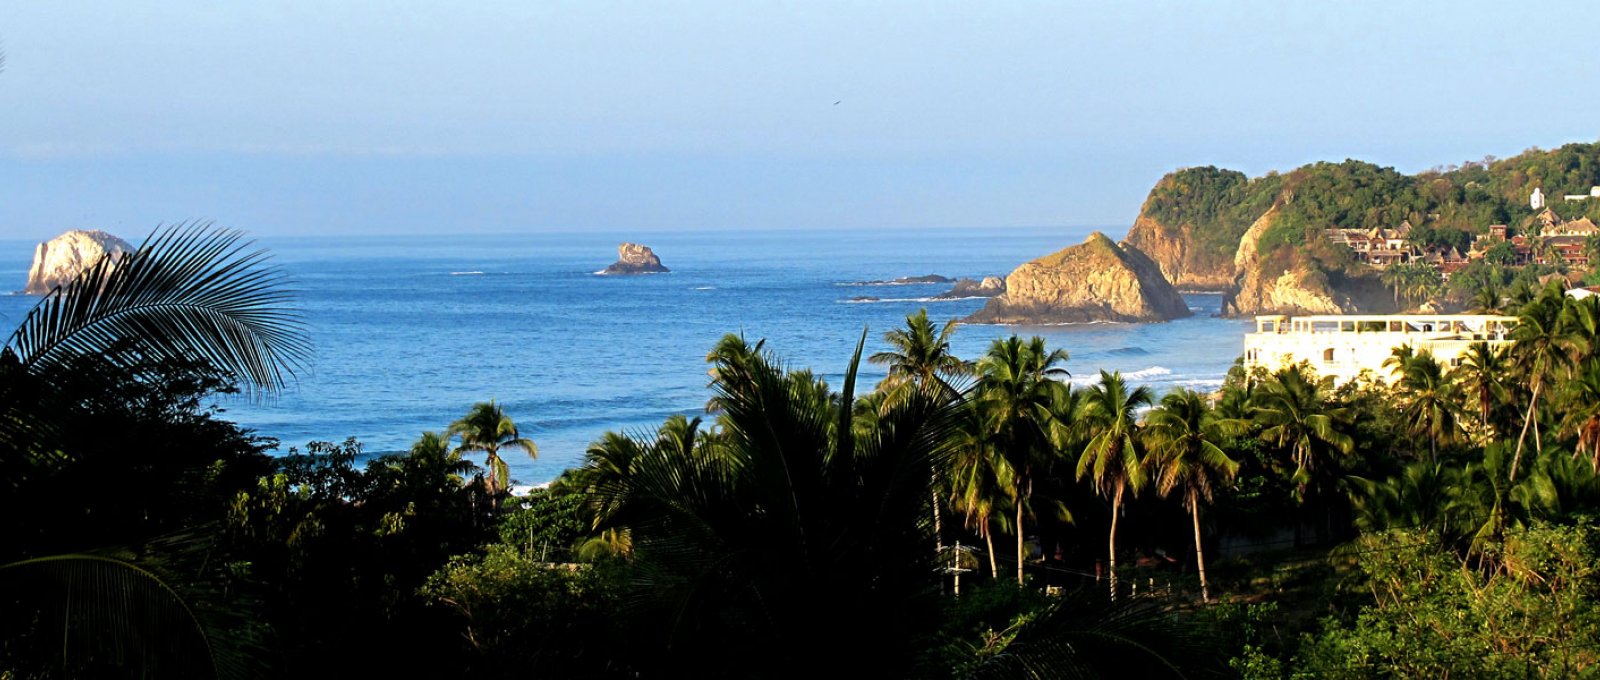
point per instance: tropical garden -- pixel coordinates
(1004, 515)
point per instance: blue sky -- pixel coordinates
(290, 117)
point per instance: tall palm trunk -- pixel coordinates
(1019, 541)
(938, 526)
(1483, 416)
(1024, 491)
(492, 480)
(1116, 510)
(1199, 548)
(988, 540)
(1533, 413)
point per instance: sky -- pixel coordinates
(290, 117)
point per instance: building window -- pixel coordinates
(1327, 355)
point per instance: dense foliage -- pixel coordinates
(962, 519)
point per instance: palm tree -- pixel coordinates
(1581, 397)
(1482, 374)
(977, 478)
(487, 428)
(608, 472)
(1581, 318)
(1020, 396)
(1395, 277)
(798, 530)
(1106, 416)
(921, 359)
(1432, 402)
(1294, 416)
(1399, 358)
(1542, 348)
(1182, 435)
(921, 356)
(1522, 292)
(1423, 282)
(1486, 299)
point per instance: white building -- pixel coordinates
(1536, 199)
(1343, 346)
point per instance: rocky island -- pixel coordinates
(57, 261)
(633, 258)
(1097, 280)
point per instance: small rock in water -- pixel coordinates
(990, 286)
(633, 258)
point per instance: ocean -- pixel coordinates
(409, 331)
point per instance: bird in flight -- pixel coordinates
(837, 103)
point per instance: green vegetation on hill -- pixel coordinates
(1466, 198)
(1195, 218)
(1217, 204)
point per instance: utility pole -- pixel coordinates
(956, 552)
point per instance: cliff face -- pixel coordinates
(1191, 222)
(57, 261)
(633, 258)
(1097, 280)
(1176, 251)
(1270, 287)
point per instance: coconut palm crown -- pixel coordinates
(487, 428)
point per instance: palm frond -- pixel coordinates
(94, 611)
(189, 291)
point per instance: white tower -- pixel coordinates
(1537, 199)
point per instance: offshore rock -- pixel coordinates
(989, 287)
(908, 280)
(1097, 280)
(633, 258)
(58, 261)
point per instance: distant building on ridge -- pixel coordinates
(1537, 199)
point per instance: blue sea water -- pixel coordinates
(410, 331)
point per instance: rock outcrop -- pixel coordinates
(1098, 280)
(988, 287)
(633, 258)
(1295, 291)
(57, 261)
(1190, 224)
(1264, 287)
(1176, 250)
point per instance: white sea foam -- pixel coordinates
(1147, 373)
(466, 273)
(916, 299)
(705, 287)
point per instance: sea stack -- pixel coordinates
(1097, 280)
(633, 258)
(58, 261)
